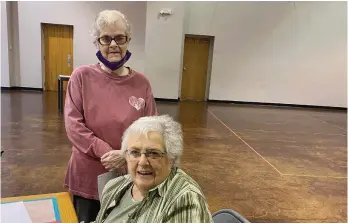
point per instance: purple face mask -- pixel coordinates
(114, 65)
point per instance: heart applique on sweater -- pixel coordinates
(137, 103)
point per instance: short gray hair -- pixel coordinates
(106, 18)
(164, 125)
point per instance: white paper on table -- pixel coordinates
(41, 210)
(14, 213)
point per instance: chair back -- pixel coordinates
(104, 178)
(228, 216)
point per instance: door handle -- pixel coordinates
(69, 59)
(185, 69)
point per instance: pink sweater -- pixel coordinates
(98, 108)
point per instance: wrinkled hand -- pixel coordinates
(113, 160)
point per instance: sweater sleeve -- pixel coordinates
(188, 208)
(150, 104)
(78, 133)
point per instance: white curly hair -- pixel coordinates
(164, 125)
(106, 18)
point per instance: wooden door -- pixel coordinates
(194, 75)
(58, 54)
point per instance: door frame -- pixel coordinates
(42, 25)
(210, 61)
(43, 67)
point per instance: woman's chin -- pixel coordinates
(114, 59)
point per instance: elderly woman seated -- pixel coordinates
(155, 190)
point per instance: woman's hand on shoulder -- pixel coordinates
(113, 160)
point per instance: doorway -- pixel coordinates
(57, 54)
(196, 67)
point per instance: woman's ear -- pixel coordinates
(96, 44)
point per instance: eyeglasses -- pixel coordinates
(150, 154)
(106, 40)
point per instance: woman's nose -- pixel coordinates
(113, 43)
(143, 160)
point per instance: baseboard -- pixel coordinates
(20, 89)
(279, 105)
(208, 100)
(166, 99)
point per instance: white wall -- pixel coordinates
(163, 48)
(81, 15)
(278, 52)
(5, 73)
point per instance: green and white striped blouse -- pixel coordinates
(177, 199)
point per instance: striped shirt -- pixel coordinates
(177, 199)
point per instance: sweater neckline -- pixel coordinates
(116, 77)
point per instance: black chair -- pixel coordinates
(228, 216)
(61, 79)
(103, 179)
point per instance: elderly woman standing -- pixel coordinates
(156, 190)
(102, 100)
